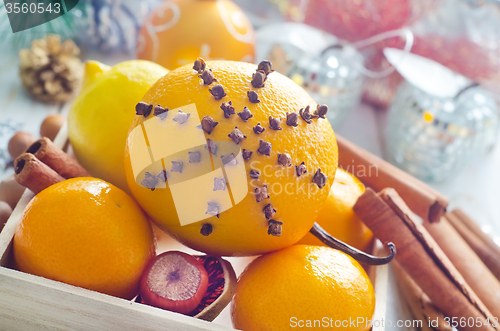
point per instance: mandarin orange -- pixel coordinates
(88, 233)
(178, 31)
(337, 217)
(301, 286)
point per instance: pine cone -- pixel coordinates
(51, 71)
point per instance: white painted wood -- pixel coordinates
(34, 303)
(10, 228)
(380, 284)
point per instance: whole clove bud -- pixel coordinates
(258, 129)
(292, 119)
(253, 97)
(218, 92)
(208, 77)
(227, 108)
(264, 147)
(321, 111)
(258, 79)
(265, 66)
(199, 65)
(245, 114)
(319, 178)
(275, 123)
(236, 135)
(143, 109)
(208, 124)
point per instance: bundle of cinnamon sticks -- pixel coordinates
(449, 270)
(44, 164)
(378, 174)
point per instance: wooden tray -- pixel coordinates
(29, 302)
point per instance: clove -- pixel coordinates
(319, 178)
(246, 154)
(218, 92)
(177, 166)
(269, 211)
(258, 78)
(160, 112)
(206, 229)
(275, 228)
(292, 119)
(181, 117)
(194, 157)
(212, 146)
(213, 209)
(254, 174)
(199, 65)
(274, 123)
(149, 181)
(300, 169)
(208, 123)
(258, 129)
(208, 77)
(229, 160)
(219, 184)
(264, 147)
(306, 115)
(253, 97)
(143, 109)
(163, 176)
(284, 160)
(245, 114)
(227, 108)
(261, 193)
(321, 111)
(236, 135)
(265, 66)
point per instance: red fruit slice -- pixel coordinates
(174, 281)
(221, 287)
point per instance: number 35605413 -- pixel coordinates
(32, 8)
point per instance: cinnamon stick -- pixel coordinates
(486, 249)
(419, 303)
(474, 227)
(390, 219)
(45, 150)
(33, 174)
(474, 271)
(379, 174)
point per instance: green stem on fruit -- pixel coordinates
(356, 254)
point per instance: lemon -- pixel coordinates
(101, 114)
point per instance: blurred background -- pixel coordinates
(414, 82)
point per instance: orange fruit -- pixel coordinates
(179, 31)
(243, 229)
(303, 286)
(337, 216)
(88, 233)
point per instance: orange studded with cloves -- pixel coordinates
(289, 153)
